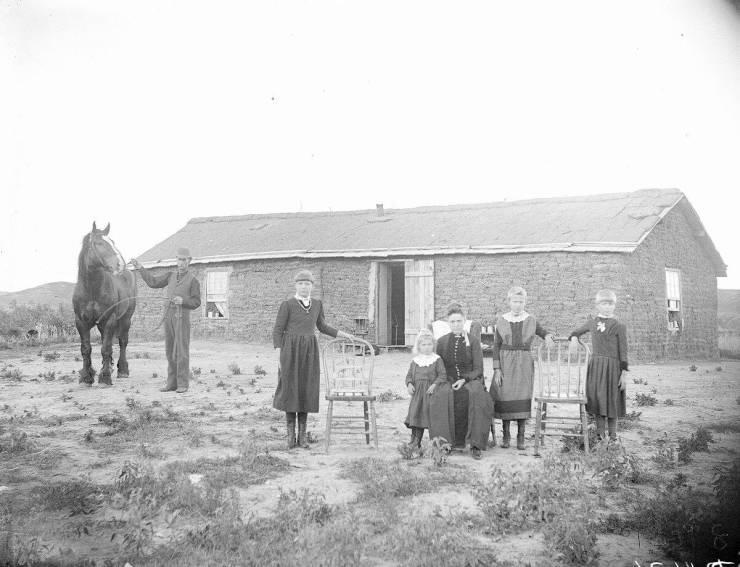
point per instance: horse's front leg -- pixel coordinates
(106, 336)
(122, 344)
(87, 374)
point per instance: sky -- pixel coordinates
(147, 114)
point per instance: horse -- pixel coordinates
(104, 296)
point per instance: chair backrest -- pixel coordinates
(348, 367)
(561, 370)
(441, 328)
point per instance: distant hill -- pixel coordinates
(51, 294)
(728, 309)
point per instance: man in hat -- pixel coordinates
(183, 295)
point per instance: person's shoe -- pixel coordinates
(520, 442)
(181, 390)
(302, 437)
(166, 389)
(476, 453)
(506, 443)
(291, 431)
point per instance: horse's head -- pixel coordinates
(101, 251)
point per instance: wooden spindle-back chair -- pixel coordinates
(561, 379)
(348, 374)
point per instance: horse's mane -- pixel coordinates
(81, 268)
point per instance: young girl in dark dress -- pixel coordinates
(606, 380)
(513, 365)
(425, 369)
(294, 337)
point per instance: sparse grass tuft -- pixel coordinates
(11, 373)
(645, 399)
(51, 356)
(259, 371)
(234, 368)
(78, 496)
(380, 479)
(389, 396)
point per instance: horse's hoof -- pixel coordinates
(87, 383)
(105, 384)
(87, 375)
(122, 375)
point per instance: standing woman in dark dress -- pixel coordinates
(299, 367)
(460, 408)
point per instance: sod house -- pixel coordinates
(384, 274)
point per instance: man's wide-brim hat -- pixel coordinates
(303, 276)
(183, 252)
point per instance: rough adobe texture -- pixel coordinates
(560, 286)
(256, 289)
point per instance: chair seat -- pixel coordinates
(559, 400)
(343, 397)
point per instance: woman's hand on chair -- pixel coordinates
(430, 389)
(549, 342)
(498, 377)
(573, 343)
(411, 389)
(459, 384)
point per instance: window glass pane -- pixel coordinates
(217, 284)
(672, 284)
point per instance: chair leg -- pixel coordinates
(367, 422)
(537, 430)
(584, 427)
(329, 413)
(374, 424)
(544, 421)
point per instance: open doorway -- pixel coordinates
(391, 304)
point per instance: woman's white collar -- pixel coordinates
(426, 359)
(511, 318)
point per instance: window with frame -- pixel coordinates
(217, 294)
(673, 299)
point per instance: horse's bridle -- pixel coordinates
(90, 245)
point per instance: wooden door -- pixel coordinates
(419, 292)
(383, 304)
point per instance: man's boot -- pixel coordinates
(290, 423)
(302, 436)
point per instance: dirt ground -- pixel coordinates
(224, 409)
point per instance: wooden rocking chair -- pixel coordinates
(348, 373)
(561, 374)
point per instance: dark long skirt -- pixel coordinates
(603, 396)
(462, 417)
(418, 415)
(299, 378)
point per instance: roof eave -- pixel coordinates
(577, 247)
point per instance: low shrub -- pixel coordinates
(696, 442)
(645, 399)
(613, 465)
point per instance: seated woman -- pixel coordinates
(460, 409)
